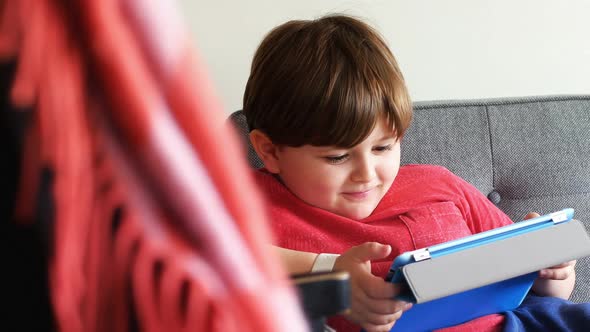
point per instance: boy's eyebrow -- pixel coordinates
(330, 148)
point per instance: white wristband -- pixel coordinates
(324, 262)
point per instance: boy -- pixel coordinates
(327, 107)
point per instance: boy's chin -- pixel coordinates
(358, 214)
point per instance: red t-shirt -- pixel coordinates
(425, 205)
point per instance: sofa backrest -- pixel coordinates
(525, 154)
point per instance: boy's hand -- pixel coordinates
(372, 305)
(558, 272)
(557, 280)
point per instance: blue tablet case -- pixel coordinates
(490, 272)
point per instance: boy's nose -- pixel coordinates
(364, 171)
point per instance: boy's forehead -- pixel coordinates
(378, 135)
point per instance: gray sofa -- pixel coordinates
(525, 154)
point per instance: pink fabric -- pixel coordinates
(426, 205)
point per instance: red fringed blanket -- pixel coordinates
(149, 230)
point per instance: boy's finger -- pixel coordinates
(377, 288)
(554, 274)
(371, 250)
(386, 307)
(377, 319)
(531, 215)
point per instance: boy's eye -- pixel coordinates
(336, 159)
(383, 148)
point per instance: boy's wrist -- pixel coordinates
(324, 262)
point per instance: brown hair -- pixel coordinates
(325, 82)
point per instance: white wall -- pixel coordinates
(447, 49)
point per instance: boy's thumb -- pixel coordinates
(369, 251)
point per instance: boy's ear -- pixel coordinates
(266, 150)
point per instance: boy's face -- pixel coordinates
(348, 182)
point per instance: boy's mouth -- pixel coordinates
(358, 195)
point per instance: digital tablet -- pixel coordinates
(490, 272)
